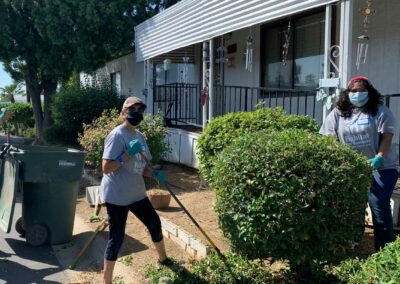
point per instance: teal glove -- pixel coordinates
(160, 177)
(376, 162)
(134, 148)
(3, 113)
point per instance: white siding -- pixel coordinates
(238, 75)
(193, 21)
(383, 61)
(183, 147)
(132, 74)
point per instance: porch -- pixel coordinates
(181, 104)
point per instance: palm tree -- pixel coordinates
(12, 90)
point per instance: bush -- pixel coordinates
(293, 195)
(381, 267)
(213, 270)
(154, 131)
(59, 135)
(75, 105)
(94, 134)
(223, 130)
(21, 118)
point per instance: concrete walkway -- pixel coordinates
(21, 263)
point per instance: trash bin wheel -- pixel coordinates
(36, 235)
(18, 227)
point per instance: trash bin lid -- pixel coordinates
(9, 184)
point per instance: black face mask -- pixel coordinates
(135, 118)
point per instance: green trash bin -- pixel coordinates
(49, 178)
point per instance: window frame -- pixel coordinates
(278, 24)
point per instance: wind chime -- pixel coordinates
(363, 40)
(286, 44)
(185, 74)
(185, 71)
(249, 53)
(222, 59)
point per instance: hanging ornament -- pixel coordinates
(185, 69)
(167, 64)
(286, 44)
(222, 59)
(249, 53)
(368, 11)
(362, 50)
(363, 40)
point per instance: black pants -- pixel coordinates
(117, 216)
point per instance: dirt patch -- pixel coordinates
(137, 251)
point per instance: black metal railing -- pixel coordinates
(181, 103)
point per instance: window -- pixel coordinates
(304, 65)
(178, 73)
(116, 82)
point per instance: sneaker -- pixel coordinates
(166, 262)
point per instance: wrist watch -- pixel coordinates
(120, 160)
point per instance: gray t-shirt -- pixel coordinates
(361, 131)
(125, 185)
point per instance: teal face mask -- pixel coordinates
(358, 98)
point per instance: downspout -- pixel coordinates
(205, 84)
(211, 82)
(327, 52)
(346, 30)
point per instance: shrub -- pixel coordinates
(75, 105)
(154, 131)
(294, 195)
(94, 134)
(213, 270)
(59, 135)
(21, 117)
(223, 130)
(381, 267)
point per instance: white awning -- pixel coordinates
(193, 21)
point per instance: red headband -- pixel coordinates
(358, 78)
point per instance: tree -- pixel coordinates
(44, 42)
(11, 91)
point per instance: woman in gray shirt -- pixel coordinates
(362, 121)
(122, 187)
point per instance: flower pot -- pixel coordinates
(159, 198)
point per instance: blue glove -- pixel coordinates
(134, 148)
(376, 162)
(160, 177)
(3, 113)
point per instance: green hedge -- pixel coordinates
(294, 195)
(22, 113)
(381, 267)
(94, 134)
(223, 130)
(74, 105)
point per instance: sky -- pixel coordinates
(4, 77)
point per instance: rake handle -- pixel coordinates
(187, 212)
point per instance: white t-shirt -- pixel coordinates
(361, 131)
(125, 185)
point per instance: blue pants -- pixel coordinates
(379, 201)
(117, 216)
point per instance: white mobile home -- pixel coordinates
(203, 58)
